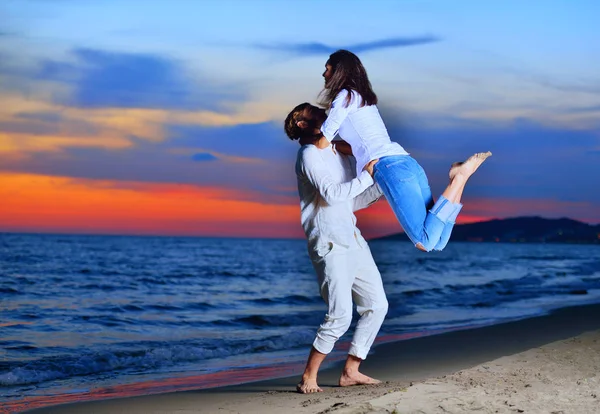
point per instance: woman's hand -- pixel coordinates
(369, 167)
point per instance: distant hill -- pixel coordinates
(523, 230)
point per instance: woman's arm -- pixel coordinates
(337, 114)
(332, 192)
(342, 146)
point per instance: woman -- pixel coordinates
(353, 115)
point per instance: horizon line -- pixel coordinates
(208, 236)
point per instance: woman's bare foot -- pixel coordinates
(308, 386)
(468, 167)
(454, 169)
(349, 378)
(420, 247)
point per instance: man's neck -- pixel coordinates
(321, 142)
(318, 140)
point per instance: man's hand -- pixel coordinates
(369, 167)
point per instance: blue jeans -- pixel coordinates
(405, 185)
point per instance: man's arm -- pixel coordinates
(370, 196)
(332, 192)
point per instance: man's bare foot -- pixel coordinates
(308, 386)
(356, 378)
(468, 167)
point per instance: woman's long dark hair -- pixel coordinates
(350, 74)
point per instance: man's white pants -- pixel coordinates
(347, 274)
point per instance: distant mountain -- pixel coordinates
(523, 230)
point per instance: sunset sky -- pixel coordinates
(165, 117)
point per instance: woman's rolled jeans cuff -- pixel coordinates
(405, 185)
(445, 237)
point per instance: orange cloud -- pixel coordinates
(23, 143)
(38, 203)
(120, 123)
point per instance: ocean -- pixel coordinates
(86, 317)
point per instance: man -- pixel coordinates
(329, 193)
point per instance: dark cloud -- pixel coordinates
(49, 117)
(115, 79)
(505, 64)
(203, 157)
(530, 161)
(163, 162)
(264, 140)
(315, 48)
(9, 70)
(35, 123)
(49, 123)
(572, 84)
(584, 109)
(575, 85)
(29, 128)
(4, 33)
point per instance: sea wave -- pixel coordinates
(128, 358)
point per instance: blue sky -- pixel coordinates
(194, 92)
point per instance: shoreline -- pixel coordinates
(398, 364)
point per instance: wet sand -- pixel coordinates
(542, 364)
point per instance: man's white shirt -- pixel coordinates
(330, 193)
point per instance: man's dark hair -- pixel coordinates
(290, 125)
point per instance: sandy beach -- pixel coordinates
(546, 364)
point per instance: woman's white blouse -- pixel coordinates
(361, 127)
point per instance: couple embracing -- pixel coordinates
(338, 177)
